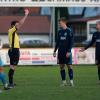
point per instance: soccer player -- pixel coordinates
(14, 52)
(95, 39)
(2, 75)
(64, 45)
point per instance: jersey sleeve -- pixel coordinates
(71, 40)
(14, 29)
(57, 42)
(92, 41)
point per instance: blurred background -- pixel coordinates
(82, 20)
(41, 27)
(36, 32)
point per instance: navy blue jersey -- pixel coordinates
(64, 40)
(95, 39)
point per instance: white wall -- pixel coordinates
(4, 38)
(89, 36)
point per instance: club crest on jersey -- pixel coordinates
(63, 38)
(65, 34)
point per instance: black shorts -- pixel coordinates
(62, 59)
(14, 55)
(97, 60)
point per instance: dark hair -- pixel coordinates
(13, 23)
(63, 19)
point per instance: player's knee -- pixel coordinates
(69, 66)
(62, 66)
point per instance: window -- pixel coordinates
(92, 28)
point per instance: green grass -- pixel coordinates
(43, 83)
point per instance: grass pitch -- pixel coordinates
(43, 83)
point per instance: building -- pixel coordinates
(83, 21)
(35, 27)
(84, 27)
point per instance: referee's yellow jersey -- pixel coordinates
(13, 38)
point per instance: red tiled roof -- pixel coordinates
(33, 24)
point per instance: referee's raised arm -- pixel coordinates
(21, 22)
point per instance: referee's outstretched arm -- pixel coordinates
(21, 22)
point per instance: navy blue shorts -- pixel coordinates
(62, 59)
(14, 55)
(97, 59)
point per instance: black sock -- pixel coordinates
(10, 75)
(99, 73)
(63, 74)
(70, 72)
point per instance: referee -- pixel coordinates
(14, 52)
(95, 39)
(64, 45)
